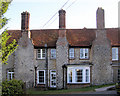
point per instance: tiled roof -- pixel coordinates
(15, 34)
(80, 37)
(113, 35)
(42, 37)
(75, 37)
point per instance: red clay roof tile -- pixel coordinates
(75, 37)
(15, 34)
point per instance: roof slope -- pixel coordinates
(75, 37)
(15, 34)
(80, 37)
(42, 37)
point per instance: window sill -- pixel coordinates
(52, 58)
(78, 83)
(40, 83)
(84, 59)
(114, 60)
(40, 59)
(71, 58)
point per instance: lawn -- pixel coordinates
(65, 91)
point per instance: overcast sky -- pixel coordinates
(82, 13)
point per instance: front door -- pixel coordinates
(53, 78)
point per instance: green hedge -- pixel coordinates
(12, 87)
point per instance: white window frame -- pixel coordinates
(70, 76)
(53, 53)
(51, 72)
(41, 54)
(76, 77)
(71, 53)
(12, 74)
(83, 52)
(87, 75)
(73, 69)
(38, 77)
(115, 53)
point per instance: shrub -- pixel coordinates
(12, 87)
(118, 87)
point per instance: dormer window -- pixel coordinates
(84, 53)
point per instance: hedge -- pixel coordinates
(12, 87)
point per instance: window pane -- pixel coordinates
(71, 53)
(79, 75)
(41, 76)
(114, 53)
(10, 75)
(81, 53)
(38, 50)
(43, 53)
(87, 75)
(53, 78)
(70, 76)
(118, 74)
(39, 54)
(84, 53)
(53, 53)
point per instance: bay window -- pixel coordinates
(78, 74)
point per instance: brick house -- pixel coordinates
(65, 58)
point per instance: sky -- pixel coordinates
(82, 13)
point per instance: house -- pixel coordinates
(65, 58)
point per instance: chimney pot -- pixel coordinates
(25, 21)
(62, 19)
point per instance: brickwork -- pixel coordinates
(25, 20)
(72, 86)
(62, 19)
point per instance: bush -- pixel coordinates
(118, 87)
(12, 87)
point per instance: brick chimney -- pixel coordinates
(25, 28)
(62, 19)
(25, 21)
(100, 18)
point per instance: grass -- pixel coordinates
(66, 91)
